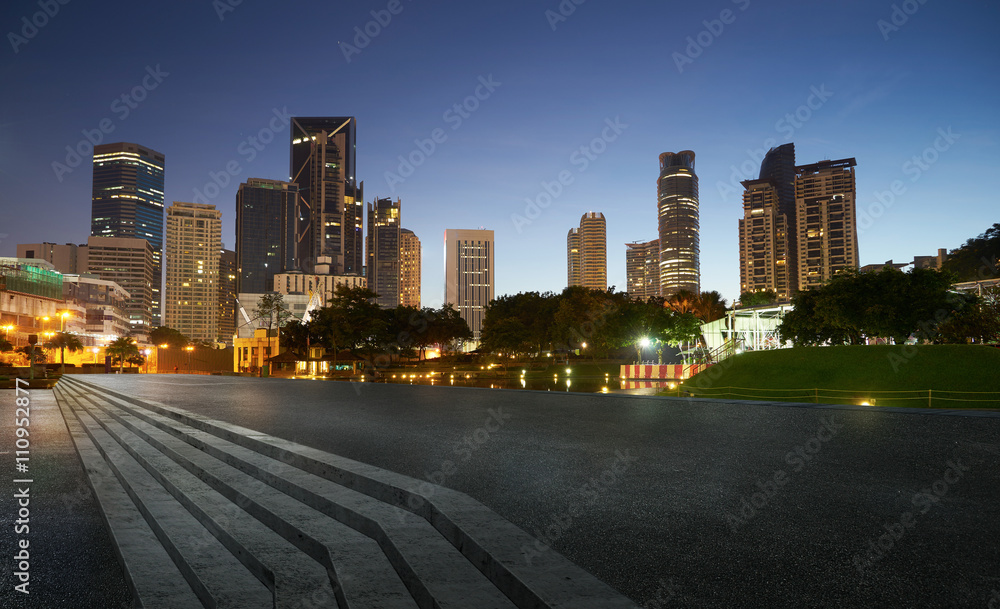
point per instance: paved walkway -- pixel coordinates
(674, 503)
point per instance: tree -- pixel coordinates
(164, 335)
(363, 326)
(853, 307)
(447, 326)
(976, 319)
(121, 349)
(977, 258)
(710, 306)
(63, 341)
(271, 307)
(749, 300)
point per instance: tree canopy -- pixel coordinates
(855, 306)
(601, 322)
(977, 258)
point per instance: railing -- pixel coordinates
(915, 398)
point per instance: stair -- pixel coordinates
(204, 513)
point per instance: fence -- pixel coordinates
(916, 398)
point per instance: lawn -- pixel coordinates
(950, 376)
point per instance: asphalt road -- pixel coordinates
(675, 503)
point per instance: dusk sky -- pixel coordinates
(885, 80)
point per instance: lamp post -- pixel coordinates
(643, 343)
(189, 349)
(62, 320)
(147, 352)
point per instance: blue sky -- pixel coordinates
(882, 93)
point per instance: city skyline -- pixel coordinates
(533, 142)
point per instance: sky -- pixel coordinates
(522, 93)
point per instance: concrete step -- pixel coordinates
(139, 551)
(211, 570)
(441, 543)
(300, 505)
(294, 578)
(362, 571)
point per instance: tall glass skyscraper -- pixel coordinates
(677, 206)
(383, 251)
(331, 202)
(266, 220)
(127, 201)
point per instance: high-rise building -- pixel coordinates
(642, 269)
(227, 297)
(766, 241)
(677, 209)
(266, 240)
(101, 305)
(587, 253)
(194, 245)
(129, 262)
(319, 282)
(826, 222)
(127, 201)
(383, 251)
(331, 210)
(409, 269)
(468, 274)
(68, 259)
(573, 274)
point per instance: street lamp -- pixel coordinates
(62, 320)
(643, 343)
(147, 352)
(189, 349)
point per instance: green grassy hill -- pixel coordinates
(880, 375)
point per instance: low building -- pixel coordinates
(31, 294)
(98, 306)
(251, 353)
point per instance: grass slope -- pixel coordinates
(855, 374)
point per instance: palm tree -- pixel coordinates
(63, 341)
(121, 349)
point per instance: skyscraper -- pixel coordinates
(227, 296)
(194, 244)
(383, 251)
(331, 201)
(127, 201)
(130, 264)
(468, 274)
(573, 274)
(409, 269)
(766, 241)
(677, 207)
(826, 220)
(642, 269)
(266, 220)
(587, 251)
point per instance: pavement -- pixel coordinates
(672, 502)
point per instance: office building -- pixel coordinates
(67, 258)
(130, 263)
(194, 245)
(127, 201)
(382, 271)
(409, 269)
(227, 297)
(330, 210)
(826, 221)
(677, 210)
(468, 275)
(266, 238)
(642, 269)
(587, 253)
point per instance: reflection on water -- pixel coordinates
(574, 384)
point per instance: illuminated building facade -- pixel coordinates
(383, 251)
(642, 269)
(826, 220)
(194, 245)
(127, 201)
(409, 269)
(468, 275)
(587, 253)
(677, 207)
